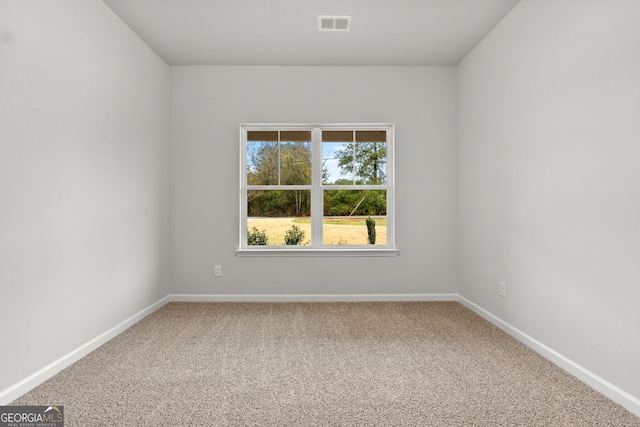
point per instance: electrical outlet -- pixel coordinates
(502, 289)
(217, 271)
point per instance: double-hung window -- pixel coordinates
(316, 189)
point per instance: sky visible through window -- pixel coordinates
(330, 161)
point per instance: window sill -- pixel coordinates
(356, 252)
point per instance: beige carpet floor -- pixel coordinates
(320, 364)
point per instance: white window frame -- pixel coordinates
(317, 248)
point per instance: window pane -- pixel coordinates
(278, 217)
(295, 163)
(262, 135)
(262, 163)
(371, 163)
(371, 136)
(335, 169)
(295, 135)
(337, 135)
(345, 162)
(346, 213)
(287, 162)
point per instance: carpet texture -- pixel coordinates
(320, 364)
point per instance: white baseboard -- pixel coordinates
(592, 380)
(312, 298)
(15, 391)
(601, 385)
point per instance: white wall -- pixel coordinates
(208, 104)
(549, 179)
(83, 179)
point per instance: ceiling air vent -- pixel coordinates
(334, 23)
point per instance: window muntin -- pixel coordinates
(317, 186)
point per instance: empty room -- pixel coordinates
(320, 212)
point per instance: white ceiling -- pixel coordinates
(284, 32)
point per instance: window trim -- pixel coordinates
(317, 188)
